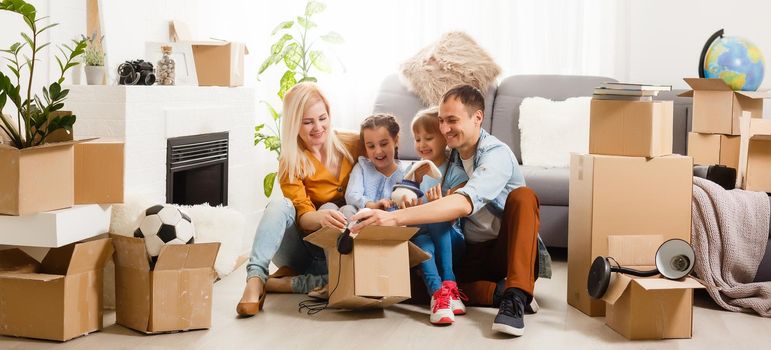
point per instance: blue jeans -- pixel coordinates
(278, 239)
(445, 243)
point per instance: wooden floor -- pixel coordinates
(280, 326)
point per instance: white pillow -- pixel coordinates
(551, 130)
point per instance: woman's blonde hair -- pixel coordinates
(426, 120)
(294, 163)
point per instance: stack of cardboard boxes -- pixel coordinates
(627, 197)
(721, 136)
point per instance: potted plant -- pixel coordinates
(299, 53)
(93, 58)
(44, 171)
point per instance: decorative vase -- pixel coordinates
(95, 75)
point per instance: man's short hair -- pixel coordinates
(469, 96)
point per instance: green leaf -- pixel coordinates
(41, 47)
(293, 54)
(268, 182)
(309, 79)
(282, 25)
(27, 39)
(319, 60)
(305, 23)
(314, 7)
(272, 111)
(332, 38)
(47, 27)
(287, 82)
(276, 48)
(265, 64)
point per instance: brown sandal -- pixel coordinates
(252, 308)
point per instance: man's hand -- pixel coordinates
(373, 217)
(333, 219)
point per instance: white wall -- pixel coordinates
(666, 37)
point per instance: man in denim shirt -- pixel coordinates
(500, 215)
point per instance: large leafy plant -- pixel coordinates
(34, 115)
(299, 52)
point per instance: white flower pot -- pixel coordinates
(95, 75)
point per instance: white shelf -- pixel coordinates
(55, 228)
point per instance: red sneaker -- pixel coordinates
(456, 298)
(441, 313)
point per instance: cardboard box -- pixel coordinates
(175, 296)
(219, 63)
(36, 179)
(58, 299)
(99, 172)
(614, 195)
(711, 149)
(377, 273)
(717, 108)
(755, 155)
(647, 308)
(631, 128)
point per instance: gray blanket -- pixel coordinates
(729, 234)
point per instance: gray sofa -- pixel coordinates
(502, 119)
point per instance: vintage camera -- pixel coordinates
(137, 72)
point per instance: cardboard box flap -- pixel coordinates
(663, 283)
(57, 261)
(386, 233)
(187, 256)
(48, 145)
(417, 255)
(40, 277)
(618, 284)
(707, 84)
(755, 94)
(133, 253)
(325, 238)
(17, 261)
(90, 255)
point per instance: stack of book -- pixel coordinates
(628, 91)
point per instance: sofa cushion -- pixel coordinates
(514, 89)
(551, 130)
(394, 98)
(550, 184)
(452, 60)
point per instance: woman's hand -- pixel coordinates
(332, 219)
(434, 193)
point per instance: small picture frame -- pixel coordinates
(182, 54)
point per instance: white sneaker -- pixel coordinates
(456, 298)
(441, 313)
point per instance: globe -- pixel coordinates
(737, 61)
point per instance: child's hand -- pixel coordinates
(406, 203)
(384, 204)
(434, 193)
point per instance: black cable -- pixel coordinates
(315, 306)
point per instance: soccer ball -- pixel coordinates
(160, 225)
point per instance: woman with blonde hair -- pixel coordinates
(314, 168)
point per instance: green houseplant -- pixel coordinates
(93, 58)
(35, 115)
(298, 51)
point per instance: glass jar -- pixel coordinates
(166, 67)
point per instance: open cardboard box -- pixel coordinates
(217, 63)
(711, 149)
(377, 273)
(647, 308)
(754, 172)
(631, 128)
(58, 299)
(717, 108)
(36, 179)
(612, 195)
(99, 172)
(175, 296)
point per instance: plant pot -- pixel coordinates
(95, 75)
(36, 179)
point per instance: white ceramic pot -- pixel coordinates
(95, 75)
